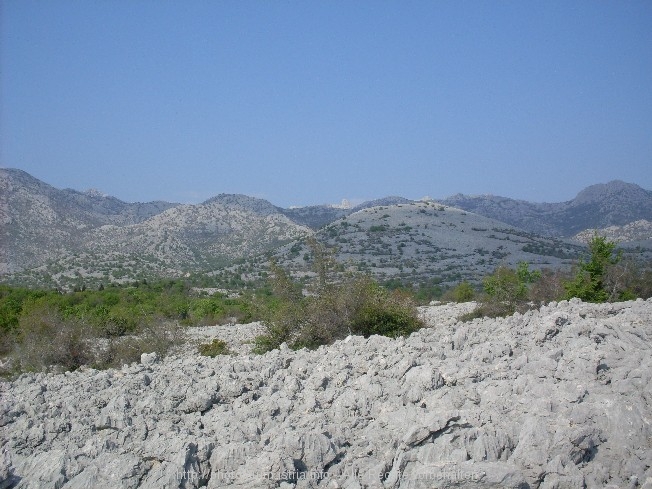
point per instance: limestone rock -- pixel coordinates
(555, 398)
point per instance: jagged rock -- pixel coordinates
(555, 398)
(148, 359)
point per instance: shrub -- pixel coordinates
(629, 279)
(506, 291)
(282, 315)
(45, 339)
(378, 229)
(384, 313)
(119, 320)
(214, 348)
(464, 292)
(159, 337)
(205, 311)
(550, 287)
(355, 304)
(12, 304)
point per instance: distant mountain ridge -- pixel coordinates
(41, 224)
(599, 206)
(38, 220)
(90, 207)
(65, 236)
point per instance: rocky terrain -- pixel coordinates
(555, 398)
(633, 232)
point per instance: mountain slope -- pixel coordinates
(39, 221)
(634, 232)
(198, 236)
(598, 206)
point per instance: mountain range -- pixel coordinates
(53, 236)
(599, 206)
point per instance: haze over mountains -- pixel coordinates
(52, 236)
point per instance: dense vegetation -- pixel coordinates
(105, 327)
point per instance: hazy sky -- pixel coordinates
(308, 102)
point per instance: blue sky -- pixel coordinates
(311, 102)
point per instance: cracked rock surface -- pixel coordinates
(560, 397)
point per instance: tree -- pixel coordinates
(589, 283)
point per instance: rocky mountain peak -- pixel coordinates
(616, 189)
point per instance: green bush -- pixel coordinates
(12, 303)
(282, 314)
(214, 348)
(205, 311)
(606, 276)
(464, 292)
(510, 286)
(383, 313)
(125, 318)
(506, 291)
(81, 329)
(603, 276)
(354, 305)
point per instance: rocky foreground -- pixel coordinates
(555, 398)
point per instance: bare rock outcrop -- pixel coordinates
(555, 398)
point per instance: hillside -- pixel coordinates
(598, 206)
(198, 236)
(317, 216)
(633, 232)
(418, 241)
(181, 240)
(40, 222)
(559, 397)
